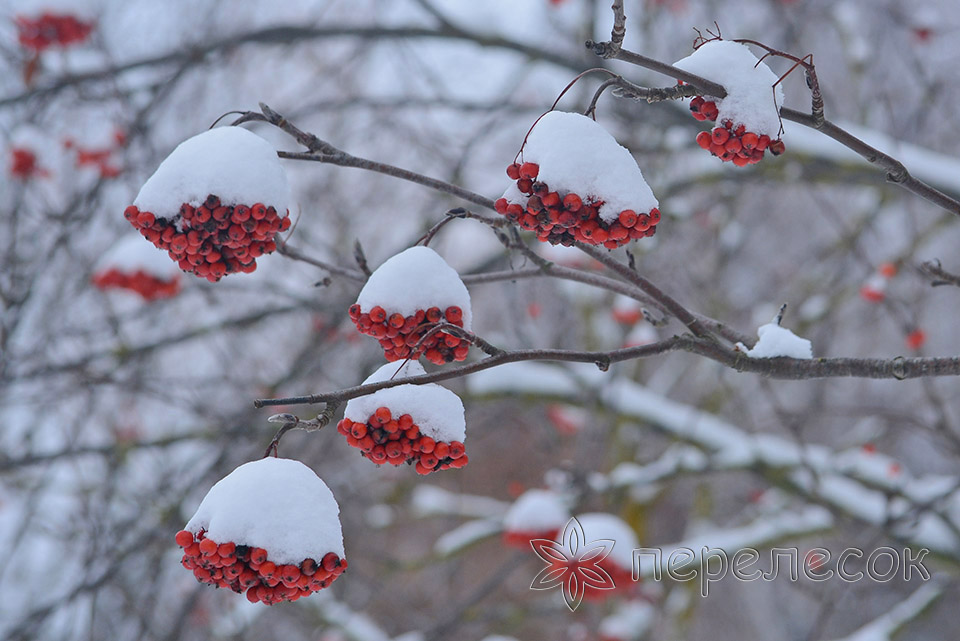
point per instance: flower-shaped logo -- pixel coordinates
(573, 564)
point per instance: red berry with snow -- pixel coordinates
(215, 204)
(594, 529)
(420, 425)
(294, 546)
(134, 266)
(412, 305)
(575, 184)
(536, 514)
(748, 115)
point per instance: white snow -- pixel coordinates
(436, 410)
(778, 341)
(600, 525)
(131, 254)
(750, 93)
(276, 504)
(577, 155)
(537, 511)
(629, 622)
(530, 377)
(416, 278)
(430, 500)
(886, 626)
(466, 535)
(230, 162)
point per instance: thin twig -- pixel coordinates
(292, 422)
(941, 277)
(619, 29)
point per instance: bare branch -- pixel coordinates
(781, 367)
(939, 274)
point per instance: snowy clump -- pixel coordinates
(131, 254)
(577, 155)
(778, 341)
(415, 279)
(626, 310)
(239, 167)
(641, 334)
(600, 525)
(276, 504)
(750, 92)
(436, 410)
(537, 511)
(629, 622)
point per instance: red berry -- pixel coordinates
(719, 135)
(628, 218)
(916, 339)
(208, 547)
(704, 139)
(529, 170)
(572, 202)
(184, 538)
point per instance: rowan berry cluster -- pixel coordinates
(24, 164)
(414, 335)
(397, 440)
(212, 239)
(49, 29)
(564, 219)
(874, 289)
(243, 568)
(101, 159)
(148, 286)
(729, 143)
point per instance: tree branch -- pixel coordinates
(781, 367)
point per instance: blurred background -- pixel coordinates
(120, 409)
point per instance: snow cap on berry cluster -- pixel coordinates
(131, 254)
(437, 411)
(537, 511)
(750, 92)
(276, 504)
(416, 278)
(600, 525)
(230, 162)
(577, 155)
